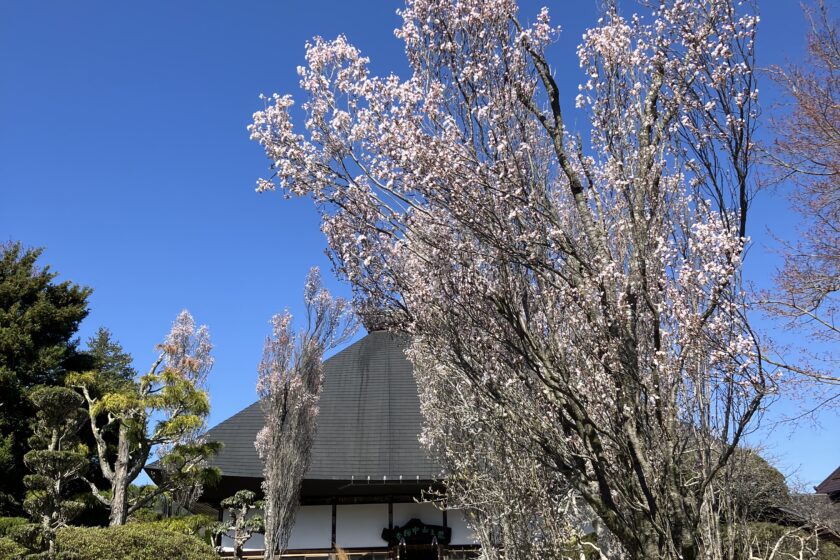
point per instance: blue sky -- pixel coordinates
(123, 151)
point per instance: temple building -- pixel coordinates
(364, 490)
(830, 486)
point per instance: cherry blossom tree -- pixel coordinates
(519, 508)
(164, 409)
(289, 386)
(586, 290)
(807, 152)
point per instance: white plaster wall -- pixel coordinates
(425, 512)
(313, 528)
(360, 525)
(461, 533)
(254, 543)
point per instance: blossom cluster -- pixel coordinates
(585, 294)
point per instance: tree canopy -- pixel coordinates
(39, 318)
(585, 289)
(164, 410)
(56, 459)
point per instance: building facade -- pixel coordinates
(366, 490)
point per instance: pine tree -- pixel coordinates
(240, 526)
(38, 319)
(112, 364)
(164, 410)
(56, 459)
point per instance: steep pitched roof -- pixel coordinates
(368, 423)
(831, 484)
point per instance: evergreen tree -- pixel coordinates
(56, 459)
(38, 318)
(242, 522)
(165, 409)
(112, 364)
(113, 373)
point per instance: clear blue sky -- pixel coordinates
(123, 151)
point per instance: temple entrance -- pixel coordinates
(416, 552)
(416, 541)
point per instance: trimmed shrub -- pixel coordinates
(144, 515)
(136, 541)
(9, 523)
(10, 550)
(28, 535)
(20, 539)
(184, 524)
(44, 555)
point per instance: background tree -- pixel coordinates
(289, 386)
(588, 289)
(755, 489)
(56, 459)
(242, 522)
(114, 366)
(38, 319)
(807, 153)
(816, 511)
(183, 460)
(114, 371)
(165, 407)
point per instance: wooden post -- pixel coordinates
(334, 508)
(443, 552)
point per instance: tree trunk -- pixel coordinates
(49, 535)
(270, 543)
(652, 547)
(119, 486)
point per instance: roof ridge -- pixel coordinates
(830, 484)
(368, 426)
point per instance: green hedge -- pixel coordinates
(28, 535)
(136, 541)
(10, 550)
(9, 523)
(184, 524)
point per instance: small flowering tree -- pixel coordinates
(289, 386)
(587, 291)
(166, 408)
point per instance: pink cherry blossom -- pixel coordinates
(577, 299)
(289, 381)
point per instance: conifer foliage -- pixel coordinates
(39, 317)
(57, 458)
(242, 522)
(165, 409)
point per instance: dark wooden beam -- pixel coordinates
(334, 515)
